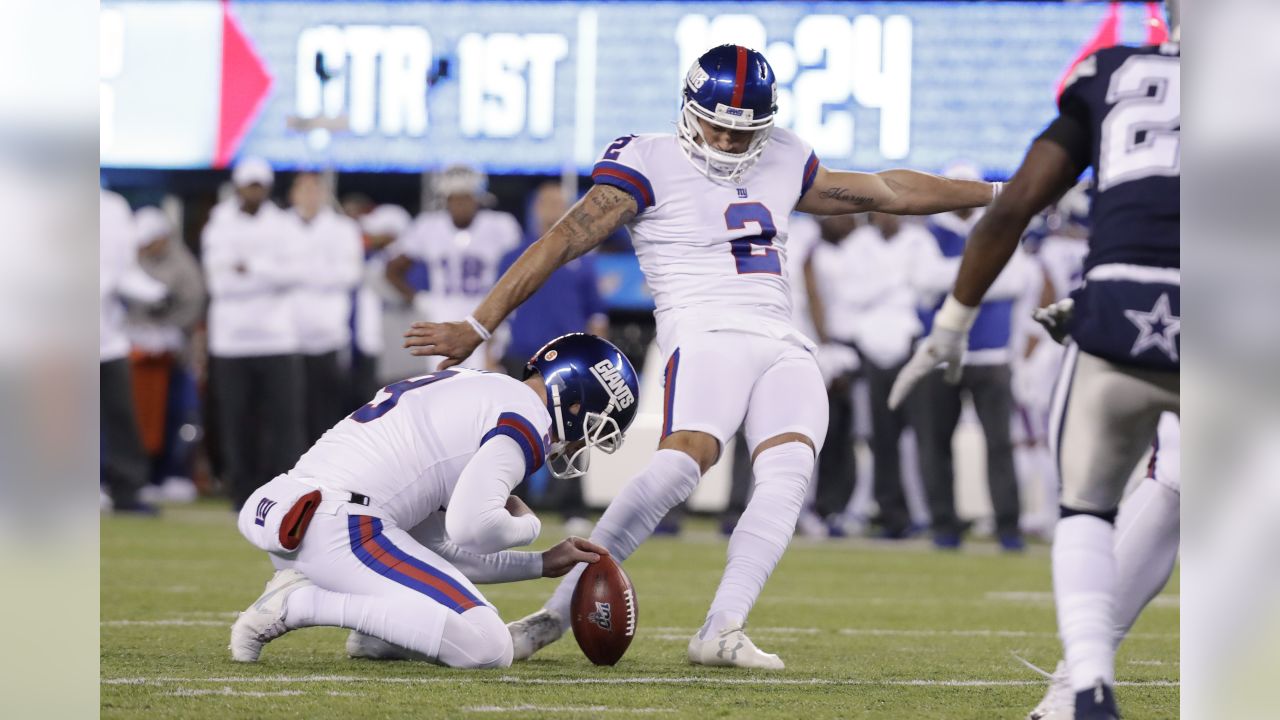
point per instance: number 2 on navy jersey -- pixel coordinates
(1140, 135)
(375, 410)
(753, 254)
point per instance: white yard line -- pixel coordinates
(178, 622)
(1168, 600)
(639, 680)
(229, 692)
(562, 709)
(672, 634)
(232, 692)
(662, 632)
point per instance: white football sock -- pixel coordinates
(1084, 583)
(417, 626)
(781, 478)
(667, 481)
(1147, 534)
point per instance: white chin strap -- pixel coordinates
(600, 431)
(719, 165)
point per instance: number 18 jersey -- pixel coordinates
(713, 254)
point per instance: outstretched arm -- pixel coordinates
(901, 192)
(597, 215)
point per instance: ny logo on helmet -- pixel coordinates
(608, 376)
(697, 77)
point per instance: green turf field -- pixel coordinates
(867, 629)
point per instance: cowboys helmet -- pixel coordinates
(732, 87)
(591, 394)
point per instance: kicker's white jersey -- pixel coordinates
(406, 448)
(462, 263)
(714, 255)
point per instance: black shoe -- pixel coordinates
(1097, 703)
(1012, 542)
(946, 540)
(670, 528)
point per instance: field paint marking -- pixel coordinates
(685, 638)
(286, 680)
(672, 634)
(175, 622)
(892, 632)
(228, 691)
(1040, 598)
(561, 709)
(647, 680)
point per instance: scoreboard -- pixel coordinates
(542, 87)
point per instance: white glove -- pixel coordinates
(945, 345)
(835, 360)
(1054, 317)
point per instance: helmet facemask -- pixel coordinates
(564, 460)
(716, 164)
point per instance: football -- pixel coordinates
(604, 612)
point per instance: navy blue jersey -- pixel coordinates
(1127, 99)
(1123, 107)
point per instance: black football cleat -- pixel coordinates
(1097, 703)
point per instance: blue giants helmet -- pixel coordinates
(732, 87)
(591, 394)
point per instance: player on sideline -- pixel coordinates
(346, 526)
(708, 210)
(1148, 529)
(1119, 113)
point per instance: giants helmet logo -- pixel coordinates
(608, 376)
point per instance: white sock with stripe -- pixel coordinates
(629, 520)
(781, 478)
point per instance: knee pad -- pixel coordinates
(1108, 516)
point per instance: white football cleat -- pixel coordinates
(1059, 701)
(533, 632)
(263, 621)
(731, 648)
(368, 647)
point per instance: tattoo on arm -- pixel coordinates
(600, 213)
(842, 195)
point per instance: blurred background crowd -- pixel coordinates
(242, 317)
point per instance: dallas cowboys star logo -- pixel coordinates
(1156, 329)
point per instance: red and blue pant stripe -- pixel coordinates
(669, 392)
(378, 553)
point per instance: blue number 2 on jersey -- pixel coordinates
(373, 411)
(754, 254)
